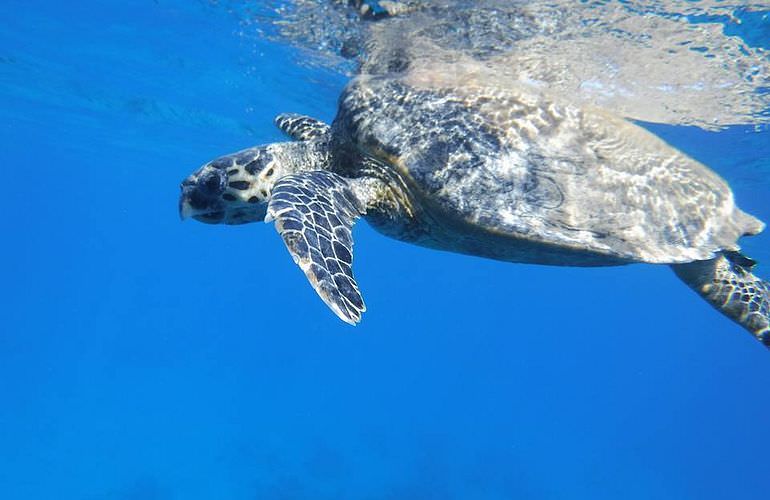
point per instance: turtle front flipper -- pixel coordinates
(301, 127)
(727, 283)
(314, 213)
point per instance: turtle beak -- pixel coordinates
(185, 209)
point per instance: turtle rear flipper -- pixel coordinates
(732, 289)
(314, 212)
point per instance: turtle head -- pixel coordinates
(232, 189)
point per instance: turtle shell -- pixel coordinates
(512, 164)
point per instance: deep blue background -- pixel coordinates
(146, 359)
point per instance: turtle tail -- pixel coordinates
(727, 283)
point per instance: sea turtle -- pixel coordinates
(507, 174)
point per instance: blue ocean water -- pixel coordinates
(142, 358)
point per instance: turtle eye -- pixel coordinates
(213, 183)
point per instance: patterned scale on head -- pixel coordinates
(232, 189)
(235, 189)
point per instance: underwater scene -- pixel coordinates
(561, 283)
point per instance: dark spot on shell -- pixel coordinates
(228, 197)
(398, 62)
(269, 172)
(240, 185)
(253, 199)
(543, 192)
(263, 193)
(232, 171)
